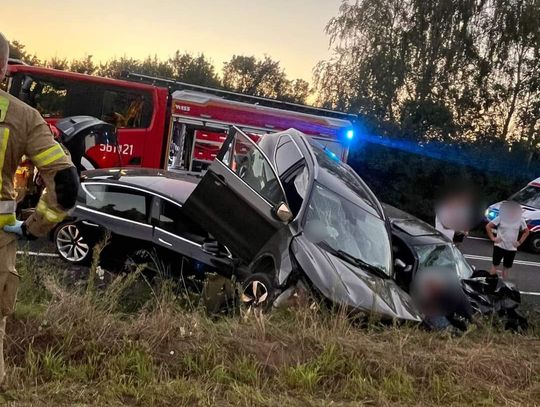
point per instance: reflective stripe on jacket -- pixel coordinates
(23, 132)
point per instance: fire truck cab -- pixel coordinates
(138, 110)
(167, 124)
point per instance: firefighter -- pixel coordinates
(23, 132)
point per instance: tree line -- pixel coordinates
(245, 74)
(447, 70)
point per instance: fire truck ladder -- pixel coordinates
(174, 85)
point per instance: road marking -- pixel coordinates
(38, 254)
(477, 238)
(530, 293)
(485, 258)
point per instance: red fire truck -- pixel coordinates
(166, 124)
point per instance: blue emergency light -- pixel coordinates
(350, 134)
(491, 214)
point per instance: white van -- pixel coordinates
(529, 199)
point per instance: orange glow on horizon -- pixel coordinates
(291, 31)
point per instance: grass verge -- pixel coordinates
(84, 346)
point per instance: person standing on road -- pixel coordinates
(23, 132)
(509, 225)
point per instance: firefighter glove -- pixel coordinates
(19, 228)
(16, 228)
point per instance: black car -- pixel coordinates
(292, 212)
(287, 209)
(418, 247)
(141, 211)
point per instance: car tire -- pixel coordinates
(258, 292)
(71, 245)
(534, 243)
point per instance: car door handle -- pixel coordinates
(219, 179)
(165, 242)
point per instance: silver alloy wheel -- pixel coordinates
(255, 294)
(70, 244)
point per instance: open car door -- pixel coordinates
(240, 200)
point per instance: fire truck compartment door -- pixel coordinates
(237, 200)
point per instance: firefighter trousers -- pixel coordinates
(9, 283)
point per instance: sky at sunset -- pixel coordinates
(291, 31)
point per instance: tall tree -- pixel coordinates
(115, 67)
(263, 78)
(85, 65)
(152, 66)
(197, 70)
(61, 64)
(443, 69)
(368, 66)
(18, 51)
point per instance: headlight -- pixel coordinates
(491, 214)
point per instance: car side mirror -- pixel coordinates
(283, 213)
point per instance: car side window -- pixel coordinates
(250, 165)
(118, 201)
(48, 97)
(295, 184)
(172, 220)
(127, 109)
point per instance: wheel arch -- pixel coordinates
(264, 264)
(534, 240)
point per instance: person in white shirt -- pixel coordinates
(449, 233)
(509, 225)
(452, 216)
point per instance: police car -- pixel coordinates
(529, 199)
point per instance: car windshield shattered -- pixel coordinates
(347, 229)
(528, 196)
(443, 256)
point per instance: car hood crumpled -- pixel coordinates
(351, 286)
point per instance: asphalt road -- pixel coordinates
(525, 273)
(478, 251)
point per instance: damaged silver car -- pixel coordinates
(294, 214)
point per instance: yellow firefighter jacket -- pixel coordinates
(23, 132)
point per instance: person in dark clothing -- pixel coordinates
(441, 299)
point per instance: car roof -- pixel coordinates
(327, 176)
(415, 230)
(175, 185)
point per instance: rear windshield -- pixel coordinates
(528, 196)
